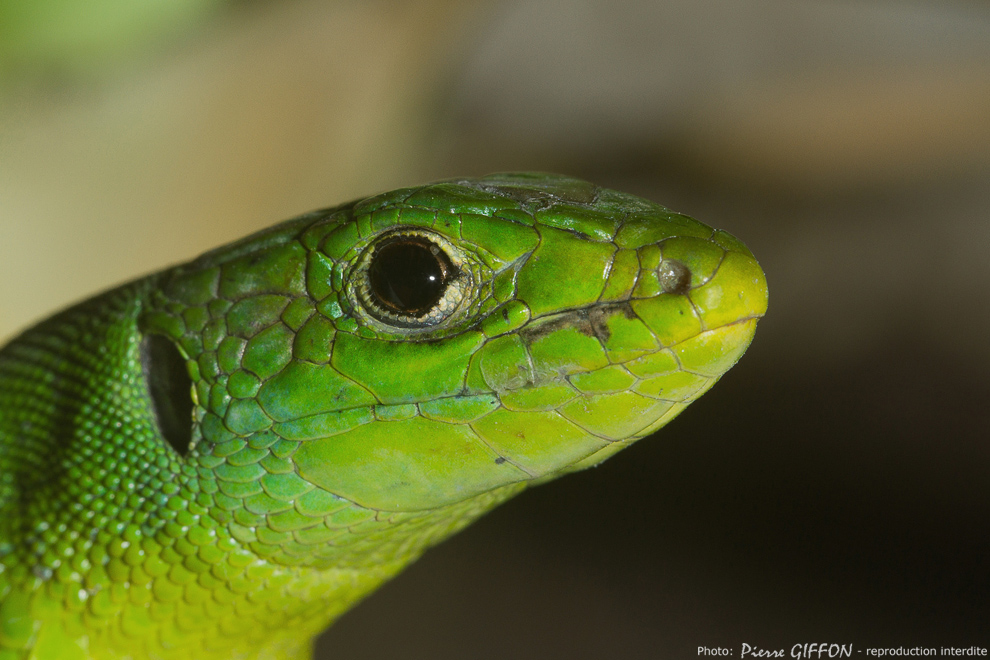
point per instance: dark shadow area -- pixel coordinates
(847, 505)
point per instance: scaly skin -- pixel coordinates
(331, 438)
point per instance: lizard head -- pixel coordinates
(428, 352)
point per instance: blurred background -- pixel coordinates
(833, 487)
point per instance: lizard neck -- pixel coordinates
(115, 545)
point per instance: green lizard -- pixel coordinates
(217, 460)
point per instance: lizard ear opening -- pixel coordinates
(170, 388)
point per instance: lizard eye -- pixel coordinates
(409, 275)
(412, 280)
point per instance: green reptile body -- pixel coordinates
(217, 460)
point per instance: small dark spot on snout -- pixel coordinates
(577, 319)
(599, 316)
(499, 460)
(590, 321)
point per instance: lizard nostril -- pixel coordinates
(674, 276)
(170, 389)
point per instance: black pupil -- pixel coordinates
(409, 275)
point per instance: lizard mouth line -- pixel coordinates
(556, 378)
